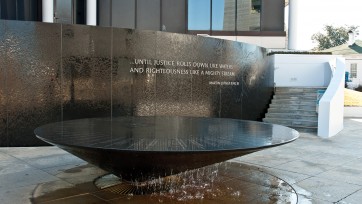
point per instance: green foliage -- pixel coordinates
(332, 36)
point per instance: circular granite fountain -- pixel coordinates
(145, 148)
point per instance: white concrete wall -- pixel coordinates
(269, 42)
(331, 105)
(298, 70)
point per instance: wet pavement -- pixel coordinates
(309, 170)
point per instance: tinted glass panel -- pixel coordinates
(174, 16)
(63, 11)
(104, 13)
(199, 14)
(223, 15)
(123, 13)
(248, 15)
(148, 15)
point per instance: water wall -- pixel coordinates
(54, 72)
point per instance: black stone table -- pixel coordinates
(142, 148)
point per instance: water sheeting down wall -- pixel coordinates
(54, 72)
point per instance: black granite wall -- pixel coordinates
(53, 72)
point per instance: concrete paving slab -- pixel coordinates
(326, 190)
(53, 160)
(329, 158)
(57, 170)
(354, 164)
(21, 195)
(26, 177)
(7, 167)
(305, 167)
(32, 152)
(44, 192)
(342, 174)
(355, 197)
(287, 176)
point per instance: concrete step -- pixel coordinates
(293, 107)
(292, 123)
(294, 102)
(306, 129)
(291, 94)
(292, 116)
(299, 89)
(295, 111)
(296, 97)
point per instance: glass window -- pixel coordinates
(199, 12)
(248, 15)
(223, 15)
(148, 15)
(123, 14)
(353, 70)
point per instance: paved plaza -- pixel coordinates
(319, 170)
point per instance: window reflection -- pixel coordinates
(224, 14)
(248, 15)
(199, 12)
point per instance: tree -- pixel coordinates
(332, 36)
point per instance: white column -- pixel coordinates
(293, 21)
(91, 12)
(48, 11)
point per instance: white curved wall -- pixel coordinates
(331, 105)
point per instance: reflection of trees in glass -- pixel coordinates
(255, 6)
(248, 15)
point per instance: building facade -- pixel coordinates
(259, 22)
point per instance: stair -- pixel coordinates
(294, 107)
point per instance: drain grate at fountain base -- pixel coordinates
(114, 184)
(224, 182)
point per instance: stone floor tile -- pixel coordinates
(60, 169)
(305, 167)
(54, 190)
(287, 176)
(24, 178)
(32, 152)
(53, 160)
(21, 195)
(354, 198)
(325, 189)
(343, 174)
(76, 174)
(329, 159)
(354, 164)
(265, 160)
(11, 167)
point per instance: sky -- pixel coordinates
(314, 14)
(199, 14)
